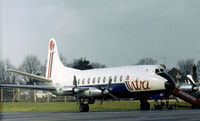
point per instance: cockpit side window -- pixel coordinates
(157, 71)
(162, 70)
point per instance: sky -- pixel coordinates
(112, 32)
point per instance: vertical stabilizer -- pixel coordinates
(54, 65)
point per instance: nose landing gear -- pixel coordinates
(144, 105)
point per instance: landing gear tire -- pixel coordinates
(84, 108)
(144, 105)
(170, 108)
(157, 107)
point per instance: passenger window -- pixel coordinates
(99, 80)
(162, 70)
(88, 80)
(78, 81)
(83, 81)
(93, 80)
(127, 77)
(115, 79)
(121, 78)
(104, 79)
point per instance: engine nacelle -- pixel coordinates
(91, 92)
(63, 91)
(188, 87)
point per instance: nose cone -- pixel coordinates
(169, 84)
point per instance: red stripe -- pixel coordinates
(49, 65)
(129, 86)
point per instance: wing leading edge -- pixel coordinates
(35, 87)
(36, 77)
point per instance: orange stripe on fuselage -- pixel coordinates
(49, 65)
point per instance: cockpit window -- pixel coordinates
(157, 71)
(162, 70)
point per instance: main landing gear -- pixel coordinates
(84, 104)
(83, 107)
(144, 105)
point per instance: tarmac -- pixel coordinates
(162, 115)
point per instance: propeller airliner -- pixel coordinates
(140, 82)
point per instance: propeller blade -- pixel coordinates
(195, 87)
(77, 99)
(105, 91)
(99, 88)
(75, 82)
(191, 82)
(190, 79)
(109, 83)
(116, 98)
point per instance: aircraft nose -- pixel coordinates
(169, 84)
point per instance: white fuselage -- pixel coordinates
(136, 78)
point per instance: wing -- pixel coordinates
(36, 77)
(35, 87)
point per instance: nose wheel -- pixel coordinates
(144, 105)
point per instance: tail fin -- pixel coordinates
(54, 65)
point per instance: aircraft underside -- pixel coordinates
(119, 91)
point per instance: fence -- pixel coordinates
(23, 95)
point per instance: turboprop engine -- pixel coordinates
(91, 92)
(63, 91)
(189, 87)
(70, 91)
(95, 91)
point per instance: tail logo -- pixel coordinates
(51, 46)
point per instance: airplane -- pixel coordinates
(140, 82)
(190, 85)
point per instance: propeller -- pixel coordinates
(75, 90)
(105, 92)
(194, 86)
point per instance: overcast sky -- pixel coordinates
(112, 32)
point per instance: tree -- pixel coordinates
(31, 65)
(97, 65)
(194, 72)
(147, 61)
(198, 69)
(186, 66)
(5, 76)
(84, 64)
(43, 69)
(63, 60)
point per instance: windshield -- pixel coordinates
(157, 71)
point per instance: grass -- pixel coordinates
(72, 106)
